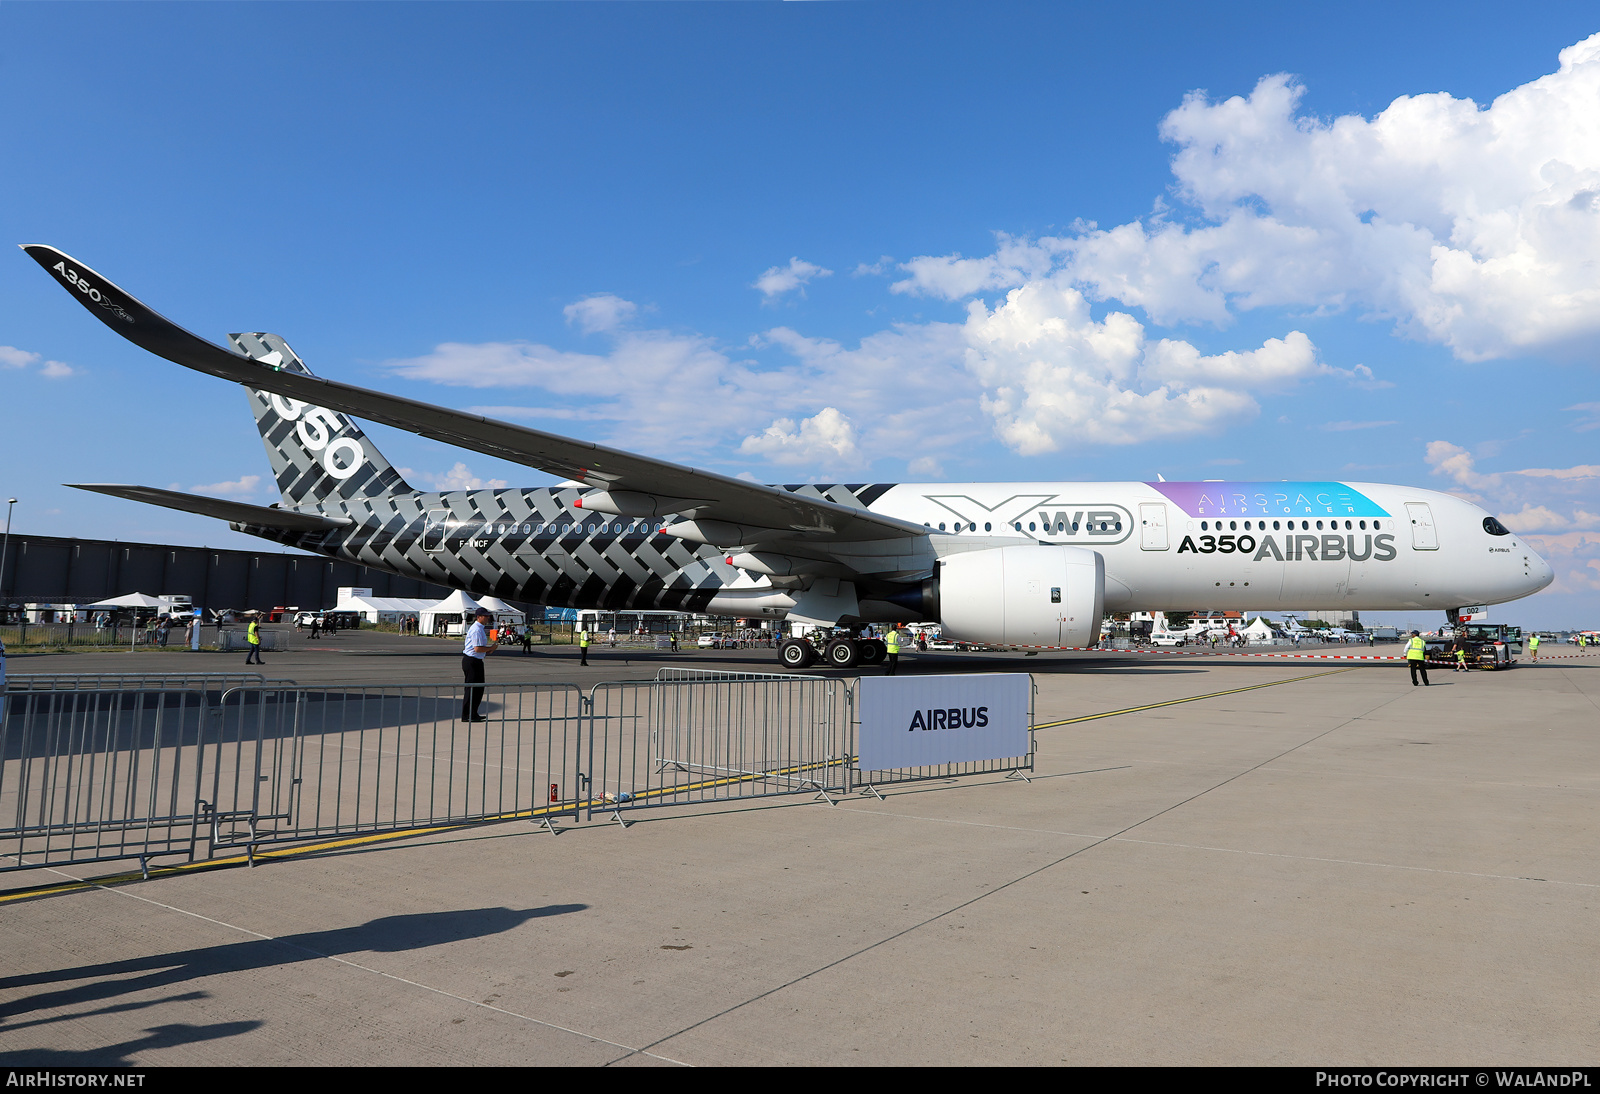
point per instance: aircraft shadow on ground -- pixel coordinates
(45, 724)
(112, 979)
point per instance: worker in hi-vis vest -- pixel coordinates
(583, 646)
(1533, 646)
(1417, 658)
(891, 642)
(252, 635)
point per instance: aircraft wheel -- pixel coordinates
(871, 651)
(796, 654)
(842, 653)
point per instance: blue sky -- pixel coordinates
(826, 241)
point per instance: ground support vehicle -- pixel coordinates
(1488, 645)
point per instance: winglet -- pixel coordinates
(128, 316)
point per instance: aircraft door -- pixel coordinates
(1152, 526)
(433, 530)
(1424, 536)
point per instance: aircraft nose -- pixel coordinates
(1540, 572)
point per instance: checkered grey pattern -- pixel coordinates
(301, 477)
(529, 545)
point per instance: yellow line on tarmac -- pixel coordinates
(379, 837)
(1189, 699)
(275, 853)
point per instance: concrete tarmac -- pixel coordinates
(1334, 869)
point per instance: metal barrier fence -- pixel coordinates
(89, 776)
(301, 763)
(194, 765)
(730, 674)
(20, 635)
(712, 738)
(97, 681)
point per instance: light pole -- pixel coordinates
(6, 549)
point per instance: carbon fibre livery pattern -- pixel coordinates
(531, 545)
(539, 548)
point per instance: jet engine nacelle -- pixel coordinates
(1023, 596)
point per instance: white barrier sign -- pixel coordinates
(917, 721)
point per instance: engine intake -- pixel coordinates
(1035, 595)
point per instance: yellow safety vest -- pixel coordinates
(583, 639)
(1416, 649)
(253, 634)
(892, 640)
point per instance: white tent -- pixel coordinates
(1259, 632)
(130, 600)
(503, 613)
(383, 609)
(453, 612)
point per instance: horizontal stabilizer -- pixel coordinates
(237, 512)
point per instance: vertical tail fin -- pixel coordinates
(316, 454)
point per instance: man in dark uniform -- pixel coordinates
(476, 648)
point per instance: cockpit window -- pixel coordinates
(1494, 527)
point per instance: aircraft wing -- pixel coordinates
(637, 485)
(236, 511)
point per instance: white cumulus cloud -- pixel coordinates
(12, 357)
(243, 486)
(1055, 377)
(783, 279)
(601, 312)
(459, 477)
(1471, 226)
(826, 439)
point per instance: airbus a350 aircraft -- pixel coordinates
(1031, 565)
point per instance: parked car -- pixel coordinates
(715, 642)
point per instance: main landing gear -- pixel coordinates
(839, 651)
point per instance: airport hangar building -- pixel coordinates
(53, 570)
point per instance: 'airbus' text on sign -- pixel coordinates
(919, 721)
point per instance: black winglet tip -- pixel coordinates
(42, 253)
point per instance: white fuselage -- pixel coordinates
(1183, 546)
